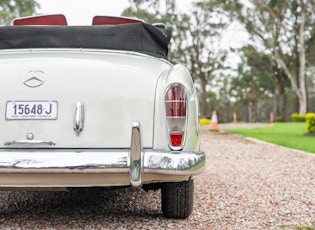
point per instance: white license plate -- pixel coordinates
(31, 110)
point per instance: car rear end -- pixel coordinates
(83, 117)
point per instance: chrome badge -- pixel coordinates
(34, 78)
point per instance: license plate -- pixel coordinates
(31, 110)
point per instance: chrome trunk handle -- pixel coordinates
(31, 142)
(79, 113)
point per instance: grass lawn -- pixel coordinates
(286, 134)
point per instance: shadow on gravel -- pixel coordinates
(85, 205)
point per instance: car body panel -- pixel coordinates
(116, 89)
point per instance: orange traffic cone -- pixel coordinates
(271, 119)
(214, 122)
(234, 117)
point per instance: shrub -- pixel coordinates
(295, 117)
(310, 122)
(205, 121)
(279, 119)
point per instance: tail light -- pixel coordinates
(176, 110)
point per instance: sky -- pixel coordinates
(81, 12)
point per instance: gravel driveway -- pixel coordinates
(247, 185)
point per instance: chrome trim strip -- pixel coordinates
(102, 160)
(62, 159)
(79, 113)
(32, 142)
(136, 168)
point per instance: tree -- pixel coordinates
(255, 81)
(223, 104)
(281, 28)
(196, 37)
(205, 56)
(10, 9)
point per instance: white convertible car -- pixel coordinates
(97, 106)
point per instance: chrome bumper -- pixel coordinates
(134, 161)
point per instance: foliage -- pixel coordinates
(310, 122)
(277, 61)
(206, 57)
(279, 119)
(295, 117)
(279, 28)
(196, 37)
(255, 81)
(288, 134)
(10, 9)
(205, 121)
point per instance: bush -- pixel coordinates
(310, 122)
(295, 117)
(279, 119)
(205, 121)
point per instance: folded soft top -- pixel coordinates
(138, 37)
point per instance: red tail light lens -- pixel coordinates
(54, 20)
(176, 109)
(176, 139)
(175, 102)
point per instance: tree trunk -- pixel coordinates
(204, 104)
(281, 108)
(299, 90)
(254, 109)
(281, 99)
(302, 79)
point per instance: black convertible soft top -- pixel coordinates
(138, 37)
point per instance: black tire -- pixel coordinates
(178, 199)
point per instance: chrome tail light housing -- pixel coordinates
(176, 116)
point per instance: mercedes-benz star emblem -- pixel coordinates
(34, 78)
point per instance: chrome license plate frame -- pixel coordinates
(32, 110)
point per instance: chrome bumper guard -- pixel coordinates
(135, 160)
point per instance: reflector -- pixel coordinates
(176, 139)
(110, 20)
(52, 20)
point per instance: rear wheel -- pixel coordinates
(177, 199)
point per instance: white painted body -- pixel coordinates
(117, 88)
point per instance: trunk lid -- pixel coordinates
(116, 89)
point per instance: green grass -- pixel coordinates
(297, 227)
(286, 134)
